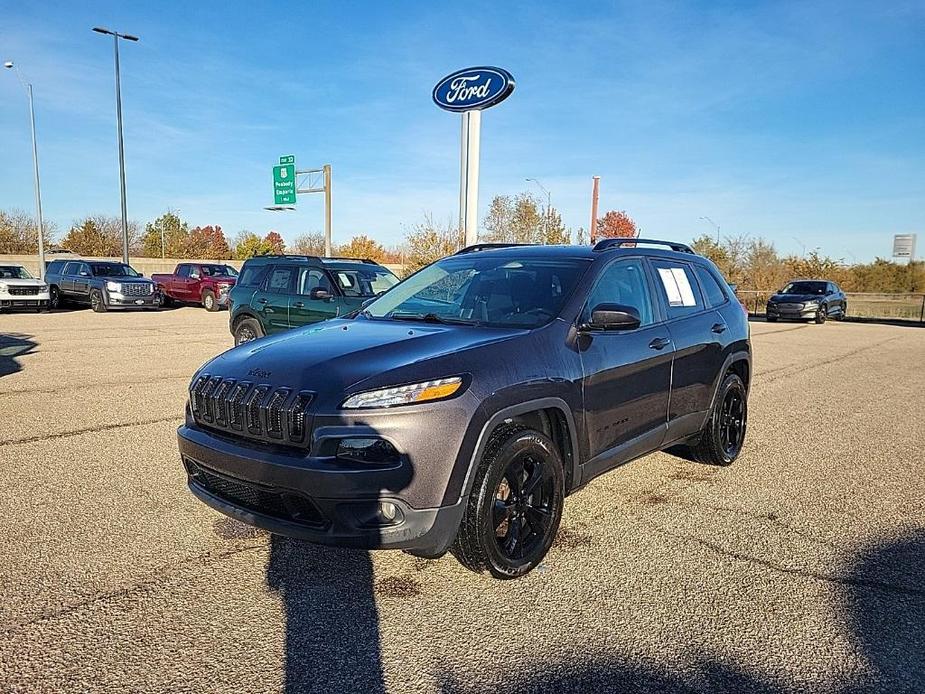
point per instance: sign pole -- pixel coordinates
(470, 184)
(595, 190)
(327, 210)
(463, 153)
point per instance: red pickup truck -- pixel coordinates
(200, 283)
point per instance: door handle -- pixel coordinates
(719, 327)
(261, 301)
(298, 304)
(659, 343)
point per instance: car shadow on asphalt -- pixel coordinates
(884, 599)
(332, 624)
(13, 346)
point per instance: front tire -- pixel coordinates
(821, 315)
(843, 313)
(246, 330)
(721, 439)
(513, 512)
(209, 301)
(96, 301)
(54, 298)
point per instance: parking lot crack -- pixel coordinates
(802, 572)
(156, 580)
(88, 430)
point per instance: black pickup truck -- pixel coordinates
(102, 284)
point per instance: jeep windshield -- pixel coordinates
(482, 290)
(113, 270)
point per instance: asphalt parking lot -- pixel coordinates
(798, 568)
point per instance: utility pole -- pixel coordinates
(595, 194)
(35, 168)
(115, 42)
(327, 209)
(714, 225)
(548, 206)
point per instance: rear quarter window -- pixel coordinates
(712, 289)
(252, 275)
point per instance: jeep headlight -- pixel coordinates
(426, 391)
(114, 286)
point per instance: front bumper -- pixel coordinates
(777, 311)
(118, 300)
(292, 492)
(39, 300)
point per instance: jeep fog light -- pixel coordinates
(367, 450)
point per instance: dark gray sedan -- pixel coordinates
(808, 300)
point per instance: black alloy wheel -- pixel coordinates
(513, 512)
(54, 298)
(721, 440)
(732, 422)
(821, 315)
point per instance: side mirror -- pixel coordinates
(613, 317)
(319, 294)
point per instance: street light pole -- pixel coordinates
(714, 225)
(548, 204)
(35, 167)
(115, 41)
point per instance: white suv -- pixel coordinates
(20, 289)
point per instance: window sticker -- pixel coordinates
(677, 286)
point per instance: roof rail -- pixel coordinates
(321, 258)
(605, 244)
(488, 246)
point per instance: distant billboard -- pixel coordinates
(904, 246)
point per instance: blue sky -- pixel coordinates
(800, 122)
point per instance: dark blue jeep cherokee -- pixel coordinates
(457, 410)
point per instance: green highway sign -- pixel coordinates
(284, 183)
(288, 159)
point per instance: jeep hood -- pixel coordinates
(339, 354)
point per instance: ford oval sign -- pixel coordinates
(473, 89)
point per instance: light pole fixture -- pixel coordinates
(115, 41)
(714, 225)
(548, 202)
(35, 166)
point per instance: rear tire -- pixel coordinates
(513, 512)
(209, 301)
(721, 439)
(96, 301)
(246, 330)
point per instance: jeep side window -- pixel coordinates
(712, 290)
(624, 282)
(678, 287)
(280, 279)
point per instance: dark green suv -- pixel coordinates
(278, 292)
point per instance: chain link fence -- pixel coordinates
(867, 305)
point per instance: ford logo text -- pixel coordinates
(473, 89)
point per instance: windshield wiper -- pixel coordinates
(431, 318)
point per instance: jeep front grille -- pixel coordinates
(248, 410)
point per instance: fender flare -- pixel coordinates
(512, 411)
(739, 355)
